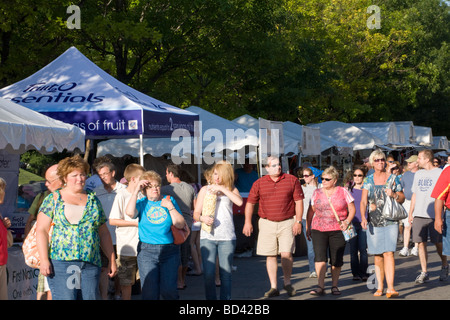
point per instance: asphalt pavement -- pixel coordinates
(250, 281)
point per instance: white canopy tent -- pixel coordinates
(440, 143)
(357, 138)
(406, 133)
(291, 141)
(22, 129)
(310, 140)
(385, 131)
(75, 90)
(217, 135)
(424, 136)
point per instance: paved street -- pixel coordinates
(250, 281)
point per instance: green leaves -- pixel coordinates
(307, 61)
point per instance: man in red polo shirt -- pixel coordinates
(441, 194)
(280, 199)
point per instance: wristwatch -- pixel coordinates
(299, 221)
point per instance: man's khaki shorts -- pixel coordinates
(275, 237)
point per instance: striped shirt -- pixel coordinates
(442, 187)
(276, 198)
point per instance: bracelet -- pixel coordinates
(172, 209)
(396, 198)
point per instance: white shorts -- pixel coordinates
(407, 206)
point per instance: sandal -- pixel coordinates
(392, 294)
(319, 291)
(335, 291)
(378, 293)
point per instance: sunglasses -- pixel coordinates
(327, 179)
(307, 175)
(379, 160)
(358, 175)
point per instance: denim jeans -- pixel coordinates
(446, 234)
(310, 248)
(359, 264)
(74, 280)
(158, 269)
(210, 249)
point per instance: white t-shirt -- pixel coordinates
(127, 238)
(423, 185)
(223, 226)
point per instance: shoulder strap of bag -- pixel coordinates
(332, 208)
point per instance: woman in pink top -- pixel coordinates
(326, 231)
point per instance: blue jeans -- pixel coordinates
(446, 234)
(210, 249)
(310, 248)
(359, 264)
(158, 270)
(74, 280)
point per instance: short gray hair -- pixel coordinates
(267, 160)
(331, 171)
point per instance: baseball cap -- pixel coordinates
(412, 158)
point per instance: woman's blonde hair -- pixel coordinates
(208, 174)
(2, 189)
(226, 172)
(151, 175)
(69, 164)
(376, 154)
(331, 171)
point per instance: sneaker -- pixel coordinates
(444, 274)
(415, 251)
(404, 252)
(272, 293)
(290, 290)
(422, 277)
(313, 274)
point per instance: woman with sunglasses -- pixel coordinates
(358, 245)
(324, 229)
(308, 189)
(382, 233)
(158, 257)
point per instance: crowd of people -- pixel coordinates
(106, 235)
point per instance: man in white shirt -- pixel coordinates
(127, 236)
(422, 214)
(106, 193)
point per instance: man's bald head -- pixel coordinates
(52, 180)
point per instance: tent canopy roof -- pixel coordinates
(347, 133)
(75, 90)
(213, 134)
(22, 129)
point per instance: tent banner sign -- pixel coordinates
(102, 123)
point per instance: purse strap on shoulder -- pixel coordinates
(332, 208)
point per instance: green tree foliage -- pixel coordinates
(305, 61)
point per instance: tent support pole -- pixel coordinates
(88, 148)
(141, 150)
